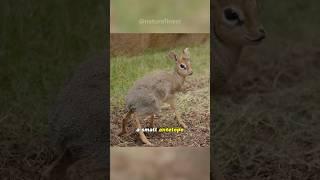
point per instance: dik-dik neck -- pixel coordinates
(227, 52)
(179, 79)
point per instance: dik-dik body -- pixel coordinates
(144, 99)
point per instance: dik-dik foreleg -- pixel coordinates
(125, 123)
(172, 103)
(151, 121)
(141, 134)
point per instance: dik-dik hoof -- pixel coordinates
(149, 145)
(145, 140)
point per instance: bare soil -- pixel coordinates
(159, 163)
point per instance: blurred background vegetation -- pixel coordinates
(194, 16)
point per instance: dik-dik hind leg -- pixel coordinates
(125, 123)
(177, 114)
(151, 121)
(141, 134)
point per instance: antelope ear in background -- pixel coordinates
(172, 55)
(186, 53)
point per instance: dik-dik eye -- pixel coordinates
(232, 16)
(182, 66)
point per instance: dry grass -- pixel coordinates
(21, 157)
(268, 127)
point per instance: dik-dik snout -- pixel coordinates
(237, 22)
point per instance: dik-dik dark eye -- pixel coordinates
(231, 15)
(182, 66)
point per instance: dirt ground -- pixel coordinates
(159, 163)
(267, 126)
(193, 104)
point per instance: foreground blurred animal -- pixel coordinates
(235, 26)
(147, 94)
(78, 125)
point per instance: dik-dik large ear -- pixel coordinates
(186, 53)
(172, 55)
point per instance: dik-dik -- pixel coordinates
(235, 26)
(144, 99)
(78, 128)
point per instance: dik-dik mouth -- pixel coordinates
(258, 40)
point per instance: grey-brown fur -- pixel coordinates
(147, 94)
(78, 125)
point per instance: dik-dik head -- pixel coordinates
(183, 65)
(236, 22)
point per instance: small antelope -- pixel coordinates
(235, 25)
(77, 125)
(147, 94)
